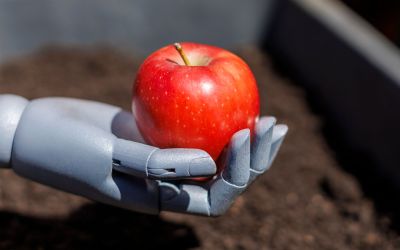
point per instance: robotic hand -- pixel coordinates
(95, 150)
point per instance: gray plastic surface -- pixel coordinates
(350, 71)
(179, 162)
(150, 162)
(136, 26)
(11, 108)
(68, 144)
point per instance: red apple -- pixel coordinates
(200, 105)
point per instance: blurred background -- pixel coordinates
(330, 69)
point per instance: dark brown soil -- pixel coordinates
(306, 201)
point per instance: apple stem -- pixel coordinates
(178, 47)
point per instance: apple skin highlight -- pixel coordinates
(197, 106)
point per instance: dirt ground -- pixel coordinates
(306, 200)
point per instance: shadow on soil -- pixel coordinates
(94, 226)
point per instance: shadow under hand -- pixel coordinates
(94, 226)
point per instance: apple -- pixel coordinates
(193, 95)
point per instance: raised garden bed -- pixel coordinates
(306, 201)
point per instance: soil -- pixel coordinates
(305, 201)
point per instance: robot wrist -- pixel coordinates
(11, 109)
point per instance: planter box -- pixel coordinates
(352, 70)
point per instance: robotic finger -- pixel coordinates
(162, 164)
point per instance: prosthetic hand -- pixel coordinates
(95, 150)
